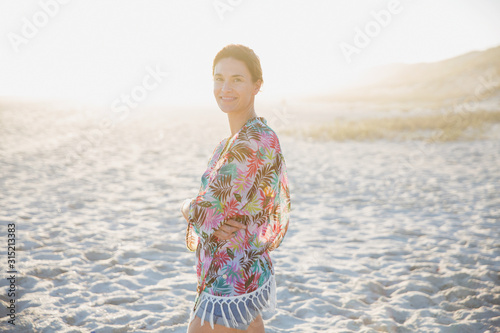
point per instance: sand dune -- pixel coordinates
(384, 237)
(474, 76)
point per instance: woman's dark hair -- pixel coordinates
(241, 53)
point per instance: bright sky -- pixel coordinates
(96, 51)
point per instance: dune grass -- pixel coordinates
(440, 127)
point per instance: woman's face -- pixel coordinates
(234, 89)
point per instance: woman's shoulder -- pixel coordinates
(257, 133)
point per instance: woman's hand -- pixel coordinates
(229, 229)
(226, 231)
(185, 208)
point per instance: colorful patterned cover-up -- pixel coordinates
(246, 180)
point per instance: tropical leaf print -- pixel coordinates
(262, 265)
(230, 253)
(198, 248)
(242, 182)
(198, 267)
(245, 219)
(243, 134)
(210, 248)
(260, 218)
(220, 259)
(278, 235)
(229, 169)
(259, 132)
(250, 133)
(240, 152)
(239, 243)
(274, 143)
(210, 278)
(198, 216)
(266, 202)
(262, 178)
(213, 244)
(245, 244)
(266, 137)
(256, 267)
(278, 162)
(205, 204)
(254, 163)
(236, 244)
(269, 154)
(220, 288)
(232, 273)
(252, 206)
(248, 283)
(248, 259)
(221, 188)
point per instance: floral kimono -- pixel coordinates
(246, 180)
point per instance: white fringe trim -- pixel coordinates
(256, 297)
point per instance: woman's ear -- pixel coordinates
(258, 85)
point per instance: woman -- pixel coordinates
(242, 210)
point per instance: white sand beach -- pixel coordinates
(384, 236)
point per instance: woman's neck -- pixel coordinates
(238, 119)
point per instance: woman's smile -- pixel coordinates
(228, 98)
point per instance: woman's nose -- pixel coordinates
(226, 86)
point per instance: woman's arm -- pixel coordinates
(229, 192)
(226, 231)
(251, 187)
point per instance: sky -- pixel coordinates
(159, 52)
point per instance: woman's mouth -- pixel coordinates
(227, 99)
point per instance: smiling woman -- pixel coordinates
(241, 212)
(237, 79)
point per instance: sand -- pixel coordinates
(384, 236)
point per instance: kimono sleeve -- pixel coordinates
(271, 212)
(279, 210)
(192, 238)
